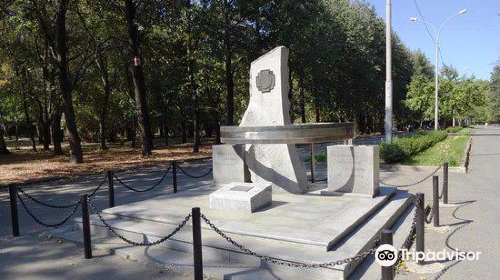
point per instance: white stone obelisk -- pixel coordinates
(269, 105)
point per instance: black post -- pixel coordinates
(111, 189)
(174, 175)
(197, 253)
(445, 183)
(87, 246)
(14, 217)
(420, 226)
(313, 160)
(435, 204)
(386, 238)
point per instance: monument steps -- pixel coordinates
(218, 252)
(369, 269)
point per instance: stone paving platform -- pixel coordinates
(310, 219)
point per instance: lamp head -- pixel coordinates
(414, 19)
(462, 11)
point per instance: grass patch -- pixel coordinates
(452, 150)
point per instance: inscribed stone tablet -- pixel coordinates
(353, 169)
(229, 164)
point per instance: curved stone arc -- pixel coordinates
(287, 134)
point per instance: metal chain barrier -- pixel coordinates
(284, 262)
(466, 223)
(442, 191)
(147, 189)
(146, 243)
(194, 176)
(410, 238)
(98, 187)
(429, 214)
(55, 225)
(57, 206)
(412, 184)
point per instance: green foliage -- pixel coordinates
(451, 150)
(455, 129)
(403, 148)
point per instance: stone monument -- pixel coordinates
(261, 149)
(353, 170)
(269, 105)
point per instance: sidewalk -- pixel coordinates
(29, 258)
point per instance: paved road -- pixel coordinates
(29, 258)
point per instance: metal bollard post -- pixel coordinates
(197, 251)
(87, 245)
(420, 226)
(14, 216)
(445, 183)
(111, 189)
(174, 175)
(435, 204)
(313, 162)
(386, 238)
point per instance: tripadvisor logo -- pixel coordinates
(386, 255)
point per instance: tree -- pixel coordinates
(138, 78)
(421, 65)
(494, 103)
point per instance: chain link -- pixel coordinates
(442, 191)
(413, 184)
(284, 262)
(147, 189)
(411, 236)
(98, 187)
(56, 206)
(194, 176)
(34, 200)
(40, 222)
(146, 243)
(428, 218)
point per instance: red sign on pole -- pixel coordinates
(137, 61)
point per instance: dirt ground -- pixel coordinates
(25, 165)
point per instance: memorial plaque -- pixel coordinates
(229, 164)
(353, 169)
(241, 188)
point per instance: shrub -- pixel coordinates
(403, 148)
(454, 129)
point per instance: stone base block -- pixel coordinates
(247, 197)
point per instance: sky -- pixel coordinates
(470, 42)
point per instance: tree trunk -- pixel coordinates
(138, 78)
(302, 100)
(3, 145)
(103, 67)
(28, 121)
(44, 125)
(229, 67)
(133, 144)
(165, 133)
(57, 134)
(184, 131)
(76, 154)
(192, 84)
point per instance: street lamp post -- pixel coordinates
(436, 74)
